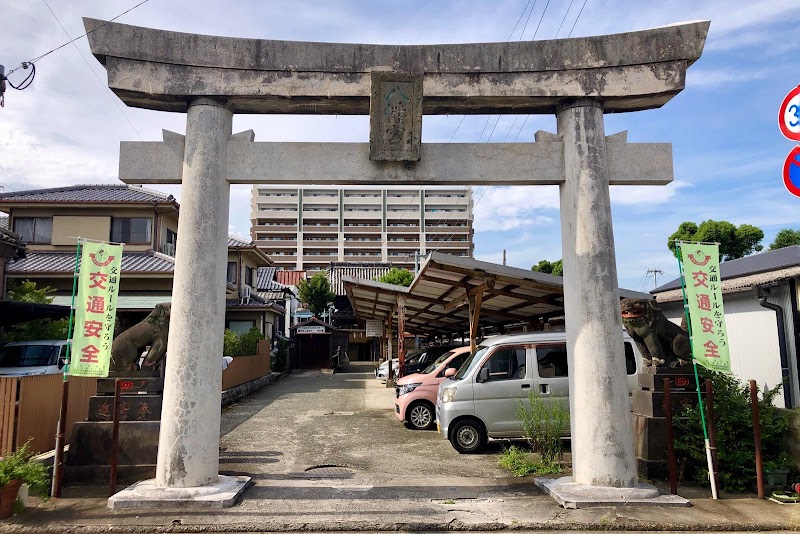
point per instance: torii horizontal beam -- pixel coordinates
(165, 70)
(539, 163)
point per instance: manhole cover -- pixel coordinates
(328, 471)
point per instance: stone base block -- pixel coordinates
(225, 493)
(91, 443)
(570, 494)
(651, 403)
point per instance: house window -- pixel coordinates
(34, 230)
(172, 237)
(231, 272)
(131, 230)
(248, 276)
(240, 327)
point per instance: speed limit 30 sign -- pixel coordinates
(789, 123)
(789, 115)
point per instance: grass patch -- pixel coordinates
(523, 463)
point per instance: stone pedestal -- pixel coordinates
(649, 421)
(88, 460)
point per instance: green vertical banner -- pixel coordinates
(703, 288)
(95, 309)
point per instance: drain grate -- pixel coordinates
(328, 471)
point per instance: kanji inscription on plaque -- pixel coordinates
(395, 127)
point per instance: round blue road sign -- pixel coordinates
(791, 172)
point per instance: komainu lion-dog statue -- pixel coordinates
(153, 330)
(661, 342)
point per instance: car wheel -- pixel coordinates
(420, 416)
(467, 436)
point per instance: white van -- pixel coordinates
(480, 400)
(26, 358)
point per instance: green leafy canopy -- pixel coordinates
(786, 238)
(315, 294)
(397, 276)
(734, 241)
(555, 268)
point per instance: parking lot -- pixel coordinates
(344, 419)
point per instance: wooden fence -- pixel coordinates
(30, 408)
(243, 369)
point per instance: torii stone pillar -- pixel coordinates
(602, 441)
(188, 453)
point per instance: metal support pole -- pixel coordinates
(58, 461)
(401, 326)
(112, 483)
(757, 438)
(712, 433)
(673, 474)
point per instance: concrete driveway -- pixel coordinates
(344, 419)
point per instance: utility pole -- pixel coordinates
(504, 256)
(655, 273)
(418, 256)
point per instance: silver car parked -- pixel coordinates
(479, 401)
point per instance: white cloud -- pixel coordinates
(637, 195)
(509, 208)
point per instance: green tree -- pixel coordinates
(397, 276)
(555, 268)
(316, 293)
(734, 241)
(26, 291)
(786, 238)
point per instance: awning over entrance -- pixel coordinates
(437, 302)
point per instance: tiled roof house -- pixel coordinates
(146, 221)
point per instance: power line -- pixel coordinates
(569, 35)
(37, 58)
(540, 20)
(565, 17)
(104, 86)
(576, 18)
(519, 19)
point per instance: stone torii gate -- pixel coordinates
(211, 78)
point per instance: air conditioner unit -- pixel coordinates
(244, 292)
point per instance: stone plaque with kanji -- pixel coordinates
(395, 117)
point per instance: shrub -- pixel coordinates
(733, 422)
(231, 343)
(20, 465)
(248, 342)
(543, 424)
(523, 463)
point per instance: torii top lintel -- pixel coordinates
(165, 70)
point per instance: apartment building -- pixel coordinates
(307, 228)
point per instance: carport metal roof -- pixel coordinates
(437, 300)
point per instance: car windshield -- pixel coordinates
(432, 367)
(413, 359)
(26, 355)
(471, 362)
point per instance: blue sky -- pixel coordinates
(728, 153)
